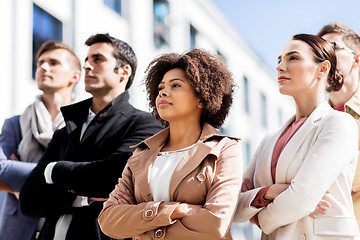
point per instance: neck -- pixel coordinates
(100, 101)
(306, 104)
(341, 96)
(182, 135)
(55, 100)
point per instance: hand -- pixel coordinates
(275, 190)
(355, 188)
(14, 157)
(16, 194)
(246, 185)
(91, 200)
(322, 205)
(125, 198)
(184, 209)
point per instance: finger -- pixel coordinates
(313, 215)
(243, 188)
(248, 183)
(325, 204)
(125, 197)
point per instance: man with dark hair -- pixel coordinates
(85, 159)
(347, 47)
(25, 137)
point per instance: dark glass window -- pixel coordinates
(246, 95)
(114, 5)
(45, 28)
(193, 34)
(161, 27)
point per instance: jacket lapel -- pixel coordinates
(191, 160)
(297, 140)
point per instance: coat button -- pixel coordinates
(303, 237)
(159, 233)
(149, 213)
(201, 177)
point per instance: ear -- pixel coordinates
(200, 104)
(325, 68)
(76, 77)
(357, 59)
(126, 72)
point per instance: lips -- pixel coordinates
(163, 103)
(282, 78)
(89, 77)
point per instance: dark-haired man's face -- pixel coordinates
(100, 77)
(54, 71)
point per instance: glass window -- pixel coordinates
(193, 34)
(246, 95)
(161, 28)
(114, 5)
(45, 28)
(263, 110)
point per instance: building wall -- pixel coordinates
(82, 18)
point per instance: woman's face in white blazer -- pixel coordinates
(297, 69)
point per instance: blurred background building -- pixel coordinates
(151, 27)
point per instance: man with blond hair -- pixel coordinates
(25, 137)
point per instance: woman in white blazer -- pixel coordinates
(307, 167)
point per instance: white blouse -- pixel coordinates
(162, 171)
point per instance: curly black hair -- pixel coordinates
(210, 78)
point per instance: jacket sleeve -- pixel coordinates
(334, 150)
(212, 221)
(244, 210)
(13, 173)
(98, 178)
(38, 199)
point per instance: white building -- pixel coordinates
(151, 27)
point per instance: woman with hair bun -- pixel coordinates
(184, 182)
(298, 184)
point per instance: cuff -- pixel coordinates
(48, 172)
(260, 201)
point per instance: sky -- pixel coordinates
(267, 25)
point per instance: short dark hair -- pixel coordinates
(123, 53)
(211, 80)
(349, 36)
(53, 45)
(322, 51)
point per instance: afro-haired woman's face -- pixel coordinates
(176, 100)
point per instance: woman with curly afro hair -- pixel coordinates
(184, 182)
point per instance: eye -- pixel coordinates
(293, 58)
(53, 63)
(175, 85)
(160, 88)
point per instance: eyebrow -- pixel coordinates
(94, 56)
(173, 79)
(287, 54)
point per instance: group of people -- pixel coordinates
(100, 169)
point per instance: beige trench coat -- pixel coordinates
(209, 175)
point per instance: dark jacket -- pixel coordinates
(90, 167)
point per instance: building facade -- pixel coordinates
(151, 27)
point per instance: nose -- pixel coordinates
(163, 93)
(87, 66)
(45, 66)
(280, 67)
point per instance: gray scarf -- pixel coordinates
(37, 130)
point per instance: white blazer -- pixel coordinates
(321, 156)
